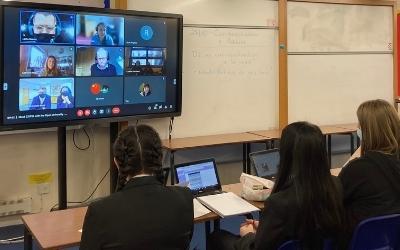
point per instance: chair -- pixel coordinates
(290, 245)
(295, 245)
(377, 233)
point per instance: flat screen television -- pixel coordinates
(66, 65)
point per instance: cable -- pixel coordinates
(171, 124)
(12, 240)
(90, 196)
(78, 147)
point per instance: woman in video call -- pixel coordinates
(143, 213)
(65, 100)
(101, 37)
(291, 213)
(50, 67)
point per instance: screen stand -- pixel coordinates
(114, 129)
(62, 168)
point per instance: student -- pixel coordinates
(305, 203)
(371, 183)
(144, 214)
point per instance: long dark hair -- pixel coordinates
(138, 150)
(304, 164)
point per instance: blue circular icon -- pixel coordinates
(146, 32)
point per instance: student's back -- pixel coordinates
(143, 214)
(305, 203)
(371, 183)
(368, 188)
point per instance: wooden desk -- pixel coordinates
(272, 134)
(327, 130)
(212, 140)
(60, 229)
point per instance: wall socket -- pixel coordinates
(13, 207)
(43, 188)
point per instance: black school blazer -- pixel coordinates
(143, 215)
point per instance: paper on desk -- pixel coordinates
(227, 204)
(199, 209)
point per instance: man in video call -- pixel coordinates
(44, 27)
(41, 101)
(102, 67)
(101, 37)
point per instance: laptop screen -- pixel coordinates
(265, 162)
(199, 176)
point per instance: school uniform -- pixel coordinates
(143, 215)
(371, 186)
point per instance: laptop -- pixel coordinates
(200, 176)
(265, 162)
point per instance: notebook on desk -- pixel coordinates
(200, 176)
(265, 163)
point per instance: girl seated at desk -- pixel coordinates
(143, 214)
(305, 203)
(371, 183)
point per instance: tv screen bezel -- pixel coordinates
(53, 7)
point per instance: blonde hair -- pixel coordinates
(380, 127)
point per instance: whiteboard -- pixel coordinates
(230, 75)
(328, 89)
(229, 81)
(318, 27)
(215, 12)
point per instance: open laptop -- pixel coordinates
(200, 176)
(265, 162)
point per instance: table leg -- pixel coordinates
(244, 157)
(217, 224)
(27, 239)
(330, 150)
(172, 166)
(208, 231)
(248, 167)
(351, 143)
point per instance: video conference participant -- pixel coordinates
(101, 37)
(45, 27)
(50, 67)
(145, 90)
(371, 183)
(65, 100)
(305, 203)
(143, 214)
(41, 101)
(102, 67)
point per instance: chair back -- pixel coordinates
(377, 233)
(296, 245)
(290, 245)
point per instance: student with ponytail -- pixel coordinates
(143, 214)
